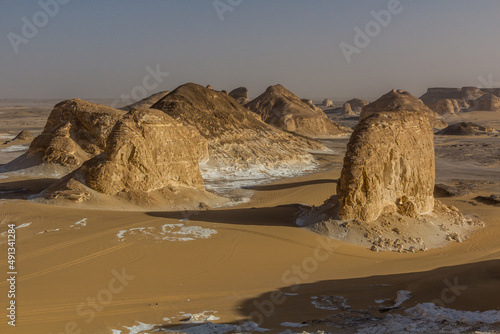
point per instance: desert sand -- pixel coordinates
(249, 267)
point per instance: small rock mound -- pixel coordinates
(357, 104)
(489, 200)
(75, 131)
(347, 110)
(236, 138)
(24, 136)
(146, 102)
(327, 103)
(399, 100)
(447, 106)
(240, 94)
(283, 109)
(146, 152)
(466, 129)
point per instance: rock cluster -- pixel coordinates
(283, 109)
(453, 100)
(75, 131)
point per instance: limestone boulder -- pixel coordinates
(389, 166)
(347, 110)
(327, 103)
(357, 104)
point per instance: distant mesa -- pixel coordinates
(283, 109)
(146, 102)
(75, 131)
(400, 100)
(385, 194)
(462, 99)
(23, 136)
(240, 94)
(357, 104)
(327, 103)
(236, 138)
(467, 129)
(148, 156)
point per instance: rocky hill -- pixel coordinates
(146, 102)
(283, 109)
(237, 138)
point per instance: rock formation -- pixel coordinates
(281, 108)
(461, 98)
(466, 129)
(75, 131)
(357, 105)
(487, 102)
(399, 100)
(385, 194)
(147, 151)
(446, 106)
(236, 138)
(146, 102)
(389, 164)
(240, 94)
(346, 109)
(327, 103)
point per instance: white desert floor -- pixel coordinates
(249, 268)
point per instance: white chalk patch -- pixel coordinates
(115, 331)
(170, 232)
(47, 231)
(290, 294)
(439, 314)
(292, 324)
(380, 301)
(14, 148)
(79, 224)
(140, 328)
(203, 317)
(330, 302)
(403, 295)
(23, 225)
(211, 328)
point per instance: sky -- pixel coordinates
(315, 48)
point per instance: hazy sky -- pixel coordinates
(101, 49)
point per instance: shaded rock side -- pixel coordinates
(281, 108)
(389, 166)
(487, 102)
(240, 94)
(399, 100)
(75, 131)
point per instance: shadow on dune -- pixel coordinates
(271, 216)
(24, 188)
(469, 287)
(271, 187)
